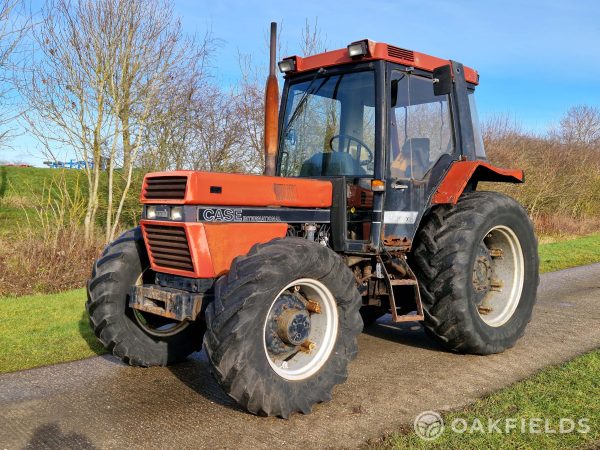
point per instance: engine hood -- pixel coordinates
(226, 189)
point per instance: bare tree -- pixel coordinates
(151, 53)
(249, 98)
(312, 40)
(12, 29)
(580, 125)
(66, 88)
(250, 108)
(100, 73)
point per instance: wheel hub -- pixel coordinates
(293, 326)
(300, 329)
(498, 275)
(482, 273)
(288, 325)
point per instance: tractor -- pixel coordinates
(369, 205)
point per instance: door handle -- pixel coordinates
(399, 185)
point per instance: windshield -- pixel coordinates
(329, 126)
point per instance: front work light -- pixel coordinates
(176, 212)
(287, 65)
(151, 212)
(358, 49)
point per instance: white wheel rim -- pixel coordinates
(323, 333)
(499, 304)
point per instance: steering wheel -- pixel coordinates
(361, 145)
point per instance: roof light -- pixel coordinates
(358, 49)
(287, 65)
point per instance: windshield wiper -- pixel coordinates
(303, 100)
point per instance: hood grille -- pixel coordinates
(169, 247)
(168, 188)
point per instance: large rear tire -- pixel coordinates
(139, 339)
(264, 371)
(477, 266)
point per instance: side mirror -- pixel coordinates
(442, 80)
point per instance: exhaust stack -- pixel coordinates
(271, 107)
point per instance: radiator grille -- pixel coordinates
(169, 247)
(168, 188)
(397, 52)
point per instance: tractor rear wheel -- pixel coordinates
(477, 266)
(283, 326)
(137, 338)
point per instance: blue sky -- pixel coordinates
(535, 58)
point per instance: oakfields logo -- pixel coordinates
(429, 425)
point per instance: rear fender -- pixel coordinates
(461, 173)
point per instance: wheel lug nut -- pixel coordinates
(496, 285)
(496, 252)
(307, 346)
(313, 307)
(484, 309)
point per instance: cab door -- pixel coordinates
(419, 151)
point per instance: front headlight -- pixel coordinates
(177, 213)
(151, 212)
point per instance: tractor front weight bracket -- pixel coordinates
(166, 302)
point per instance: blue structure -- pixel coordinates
(72, 164)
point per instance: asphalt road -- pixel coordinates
(100, 403)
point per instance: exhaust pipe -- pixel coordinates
(271, 107)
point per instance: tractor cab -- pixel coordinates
(384, 124)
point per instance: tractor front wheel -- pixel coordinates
(477, 266)
(283, 326)
(137, 338)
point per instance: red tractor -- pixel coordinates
(368, 206)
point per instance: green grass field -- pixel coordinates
(39, 330)
(569, 253)
(23, 187)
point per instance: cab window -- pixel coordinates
(420, 126)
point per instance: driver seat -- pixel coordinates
(331, 164)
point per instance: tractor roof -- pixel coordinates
(378, 51)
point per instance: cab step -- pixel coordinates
(404, 282)
(409, 318)
(400, 268)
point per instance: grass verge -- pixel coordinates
(38, 330)
(569, 391)
(570, 253)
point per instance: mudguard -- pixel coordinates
(462, 172)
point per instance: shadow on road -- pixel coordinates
(49, 436)
(195, 374)
(410, 334)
